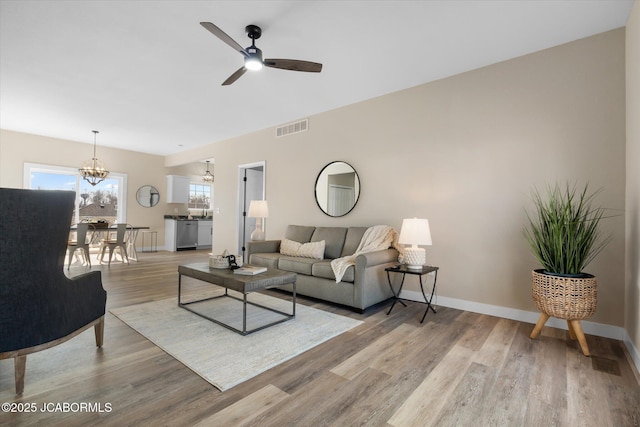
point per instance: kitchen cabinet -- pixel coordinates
(178, 189)
(170, 228)
(205, 228)
(183, 234)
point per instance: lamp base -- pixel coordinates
(415, 258)
(257, 234)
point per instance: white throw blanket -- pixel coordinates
(376, 238)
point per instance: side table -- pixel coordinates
(404, 270)
(153, 235)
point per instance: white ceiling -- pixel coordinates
(148, 76)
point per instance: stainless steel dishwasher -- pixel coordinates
(186, 235)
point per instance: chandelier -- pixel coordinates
(207, 177)
(94, 171)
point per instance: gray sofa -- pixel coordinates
(363, 285)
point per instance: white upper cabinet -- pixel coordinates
(178, 189)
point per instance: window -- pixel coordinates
(104, 201)
(200, 196)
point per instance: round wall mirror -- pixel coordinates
(337, 189)
(147, 196)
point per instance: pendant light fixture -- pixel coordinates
(207, 177)
(94, 171)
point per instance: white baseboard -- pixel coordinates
(633, 351)
(592, 328)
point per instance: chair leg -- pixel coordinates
(20, 364)
(70, 255)
(87, 256)
(122, 252)
(126, 255)
(98, 328)
(541, 321)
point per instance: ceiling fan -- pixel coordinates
(253, 56)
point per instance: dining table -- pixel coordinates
(100, 233)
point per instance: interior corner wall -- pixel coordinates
(632, 213)
(464, 152)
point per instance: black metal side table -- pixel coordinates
(404, 270)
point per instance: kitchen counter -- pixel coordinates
(186, 218)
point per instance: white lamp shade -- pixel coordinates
(415, 231)
(258, 209)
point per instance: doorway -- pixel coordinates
(251, 186)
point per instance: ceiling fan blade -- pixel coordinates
(235, 76)
(223, 36)
(293, 65)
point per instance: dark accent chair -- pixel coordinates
(39, 306)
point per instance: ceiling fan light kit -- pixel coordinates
(253, 56)
(254, 61)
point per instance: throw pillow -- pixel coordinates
(289, 247)
(314, 250)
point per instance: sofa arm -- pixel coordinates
(262, 246)
(376, 258)
(370, 280)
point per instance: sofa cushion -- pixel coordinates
(296, 264)
(334, 240)
(323, 269)
(299, 233)
(352, 241)
(313, 250)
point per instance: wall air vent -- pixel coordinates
(296, 127)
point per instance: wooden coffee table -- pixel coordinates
(239, 283)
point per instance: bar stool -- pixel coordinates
(153, 240)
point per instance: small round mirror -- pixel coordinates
(147, 196)
(337, 189)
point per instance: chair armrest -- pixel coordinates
(262, 246)
(86, 295)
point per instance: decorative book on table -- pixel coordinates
(249, 270)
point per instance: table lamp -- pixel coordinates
(414, 232)
(258, 209)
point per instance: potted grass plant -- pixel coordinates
(564, 235)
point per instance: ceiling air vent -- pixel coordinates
(290, 128)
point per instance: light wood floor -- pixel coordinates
(456, 369)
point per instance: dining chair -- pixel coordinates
(83, 238)
(122, 235)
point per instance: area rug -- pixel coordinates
(223, 357)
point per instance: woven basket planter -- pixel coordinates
(564, 297)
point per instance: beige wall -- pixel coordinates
(632, 296)
(17, 148)
(463, 152)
